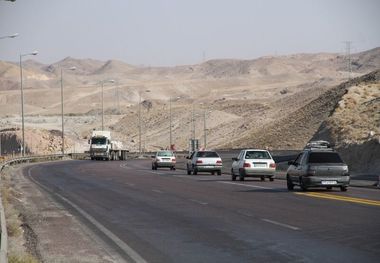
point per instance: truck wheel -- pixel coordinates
(219, 173)
(271, 178)
(343, 188)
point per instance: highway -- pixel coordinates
(169, 216)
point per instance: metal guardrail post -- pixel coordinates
(4, 234)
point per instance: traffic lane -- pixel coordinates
(172, 193)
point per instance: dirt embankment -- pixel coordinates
(354, 125)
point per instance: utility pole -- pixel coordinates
(348, 57)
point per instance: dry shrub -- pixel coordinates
(26, 258)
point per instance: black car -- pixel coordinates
(318, 167)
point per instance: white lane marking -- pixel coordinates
(157, 191)
(183, 176)
(121, 244)
(131, 185)
(198, 202)
(280, 224)
(247, 185)
(244, 213)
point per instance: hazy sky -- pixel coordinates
(174, 32)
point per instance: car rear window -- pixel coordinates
(163, 154)
(324, 157)
(207, 155)
(257, 155)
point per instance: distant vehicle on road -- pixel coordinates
(253, 163)
(204, 161)
(102, 148)
(318, 166)
(164, 159)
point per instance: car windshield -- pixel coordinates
(165, 154)
(207, 155)
(98, 141)
(257, 155)
(324, 157)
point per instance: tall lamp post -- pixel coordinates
(3, 37)
(170, 121)
(22, 99)
(63, 127)
(140, 120)
(102, 82)
(9, 36)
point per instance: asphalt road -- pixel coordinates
(168, 216)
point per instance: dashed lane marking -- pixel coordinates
(157, 191)
(198, 202)
(342, 198)
(280, 224)
(246, 185)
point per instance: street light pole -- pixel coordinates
(63, 127)
(102, 82)
(3, 37)
(140, 117)
(9, 36)
(204, 128)
(22, 101)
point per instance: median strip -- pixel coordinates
(342, 198)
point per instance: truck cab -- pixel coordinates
(100, 145)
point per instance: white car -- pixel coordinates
(253, 163)
(204, 161)
(164, 159)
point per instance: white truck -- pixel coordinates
(102, 148)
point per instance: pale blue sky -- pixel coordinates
(175, 32)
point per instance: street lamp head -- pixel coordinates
(13, 36)
(35, 52)
(73, 68)
(111, 81)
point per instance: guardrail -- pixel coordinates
(4, 234)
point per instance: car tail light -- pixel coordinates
(219, 162)
(272, 165)
(199, 161)
(173, 160)
(310, 172)
(247, 165)
(158, 160)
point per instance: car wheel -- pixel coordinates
(219, 173)
(271, 178)
(173, 168)
(213, 173)
(188, 170)
(195, 172)
(343, 188)
(262, 178)
(152, 167)
(329, 187)
(241, 176)
(289, 183)
(233, 176)
(302, 185)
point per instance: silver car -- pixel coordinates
(253, 163)
(318, 167)
(164, 159)
(204, 161)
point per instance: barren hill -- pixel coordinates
(245, 101)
